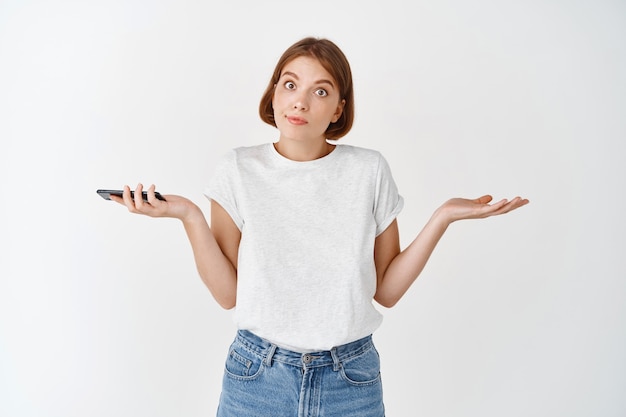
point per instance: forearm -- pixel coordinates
(214, 268)
(408, 264)
(404, 267)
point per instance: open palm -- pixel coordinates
(479, 208)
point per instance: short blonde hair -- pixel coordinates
(335, 62)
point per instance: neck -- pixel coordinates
(303, 151)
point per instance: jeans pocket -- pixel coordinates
(363, 369)
(242, 364)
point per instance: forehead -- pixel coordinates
(307, 67)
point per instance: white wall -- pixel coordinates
(102, 313)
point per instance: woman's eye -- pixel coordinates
(289, 85)
(321, 92)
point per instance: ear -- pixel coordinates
(339, 111)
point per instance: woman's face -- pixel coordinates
(306, 100)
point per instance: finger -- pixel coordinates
(128, 200)
(493, 209)
(517, 202)
(138, 197)
(117, 199)
(152, 196)
(484, 199)
(499, 205)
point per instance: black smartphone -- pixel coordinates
(106, 194)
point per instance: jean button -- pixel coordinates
(306, 358)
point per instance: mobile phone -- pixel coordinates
(106, 194)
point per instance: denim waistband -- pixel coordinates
(270, 352)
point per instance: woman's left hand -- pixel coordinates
(479, 208)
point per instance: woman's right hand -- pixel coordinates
(174, 206)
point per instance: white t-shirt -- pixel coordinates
(306, 275)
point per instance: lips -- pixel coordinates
(295, 120)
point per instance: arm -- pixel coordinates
(215, 252)
(396, 270)
(216, 266)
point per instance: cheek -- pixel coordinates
(277, 113)
(277, 100)
(275, 107)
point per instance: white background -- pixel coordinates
(102, 312)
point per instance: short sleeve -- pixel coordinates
(224, 187)
(388, 203)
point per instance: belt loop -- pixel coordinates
(336, 363)
(270, 355)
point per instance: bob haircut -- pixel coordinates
(334, 61)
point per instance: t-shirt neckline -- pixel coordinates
(314, 162)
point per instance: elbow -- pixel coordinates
(222, 290)
(386, 302)
(226, 301)
(227, 304)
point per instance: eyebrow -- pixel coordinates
(293, 75)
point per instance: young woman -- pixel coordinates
(303, 237)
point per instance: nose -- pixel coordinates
(300, 101)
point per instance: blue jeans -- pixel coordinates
(263, 380)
